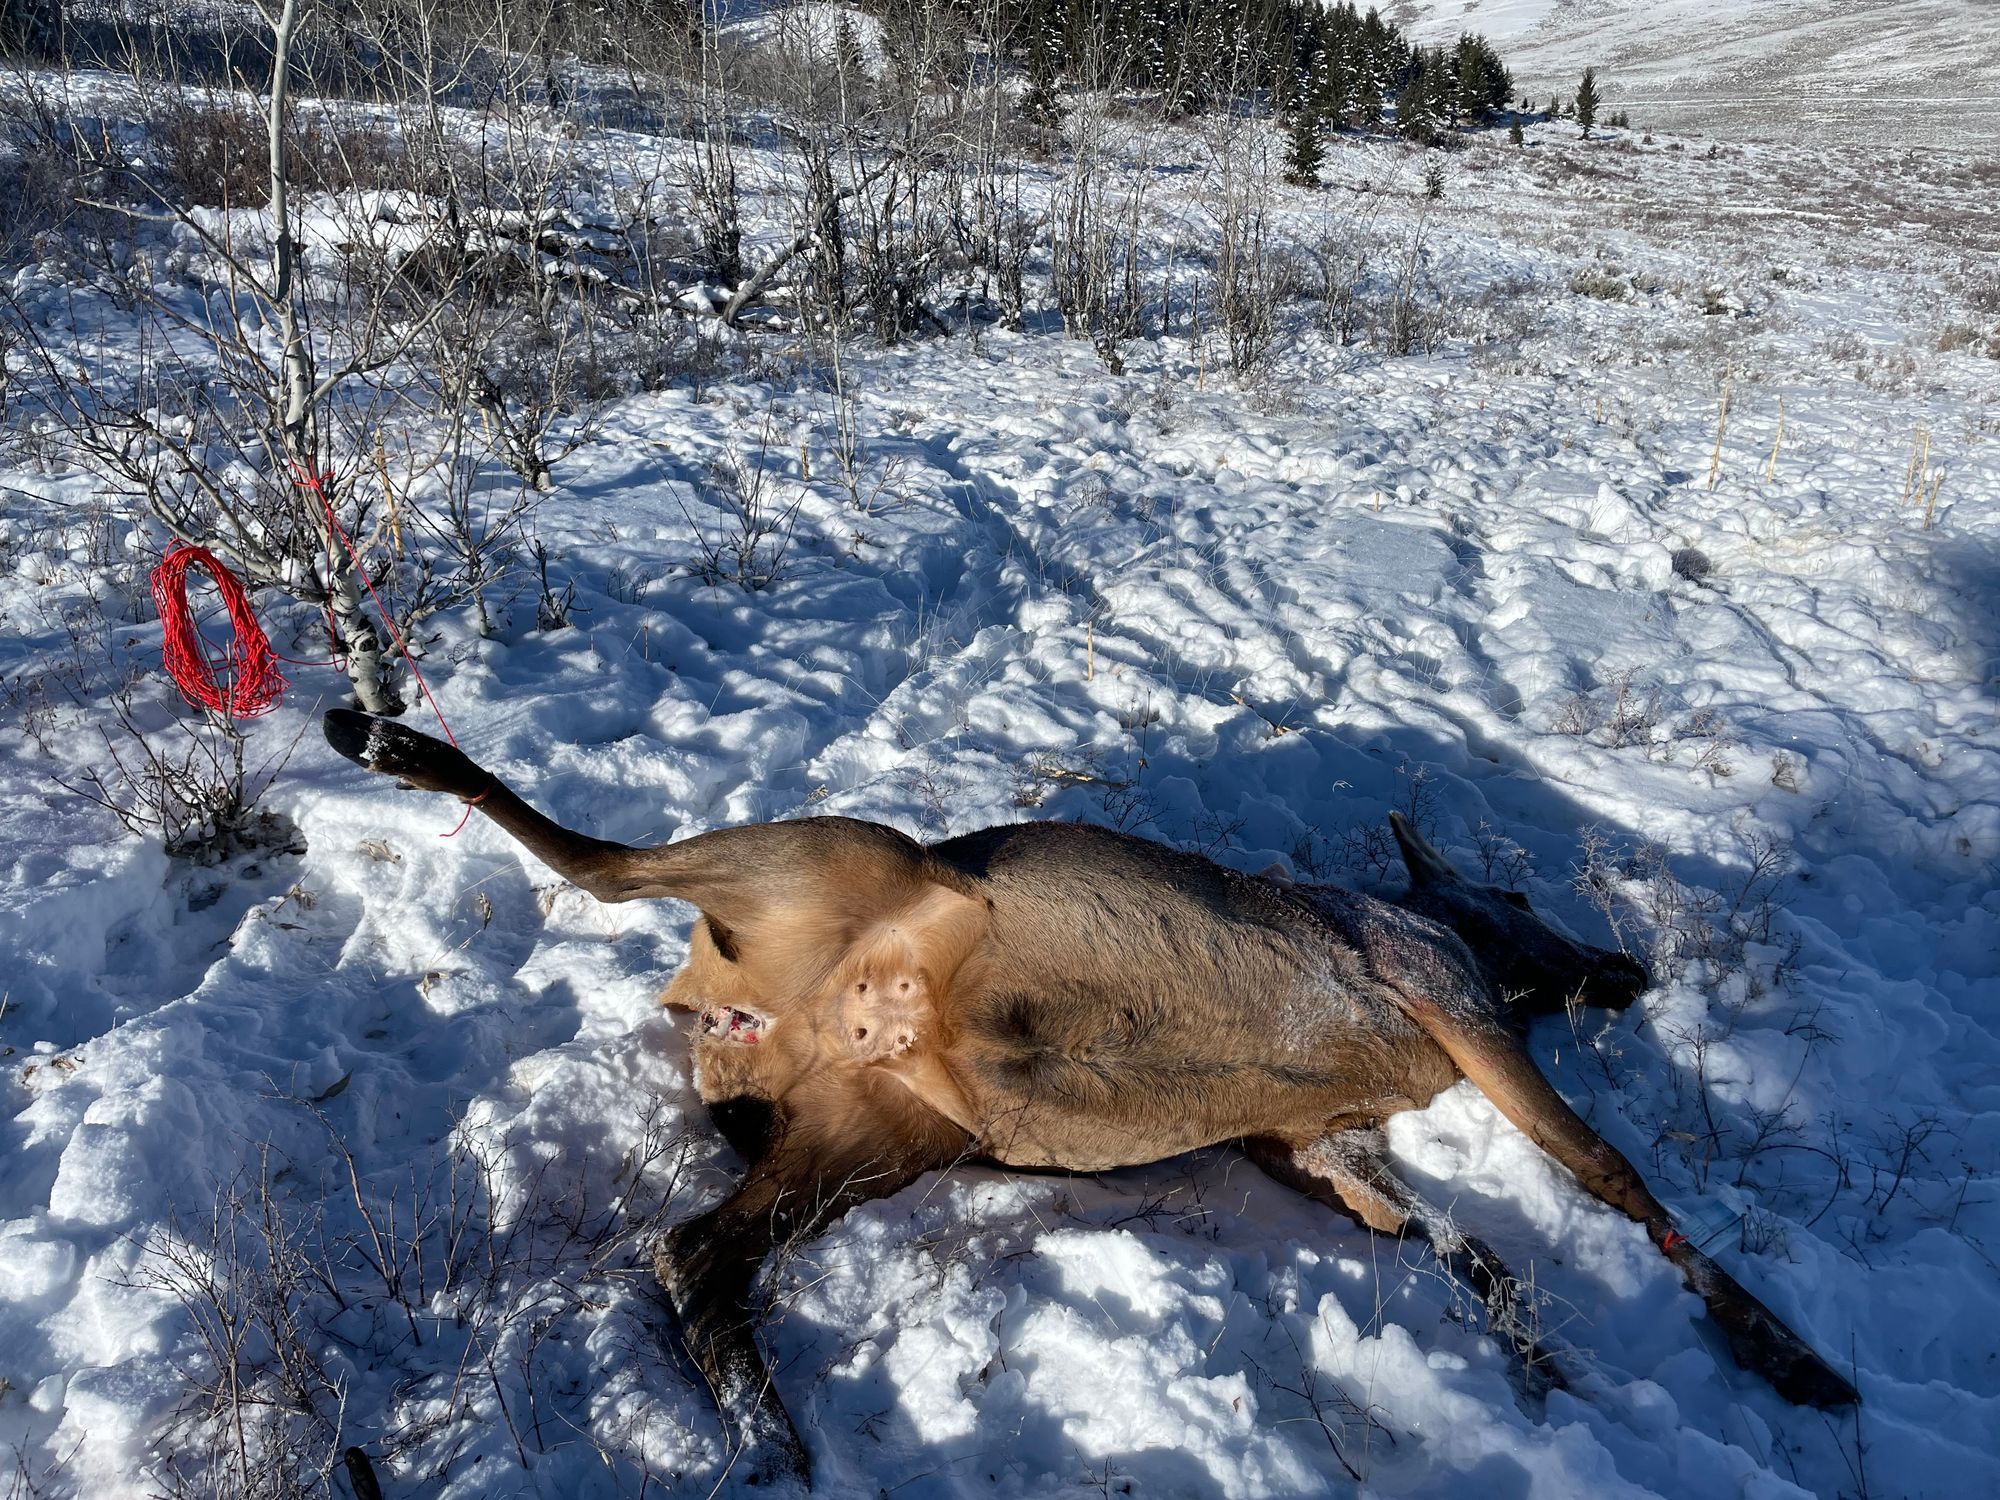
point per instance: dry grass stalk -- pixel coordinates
(1777, 443)
(1721, 426)
(1930, 505)
(1920, 458)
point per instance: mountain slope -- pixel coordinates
(1908, 71)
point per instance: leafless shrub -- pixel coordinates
(1899, 1151)
(1419, 795)
(169, 772)
(1369, 852)
(1632, 715)
(1340, 1418)
(1253, 278)
(1599, 875)
(465, 1270)
(1214, 834)
(1982, 294)
(750, 545)
(1316, 858)
(210, 152)
(553, 605)
(1964, 337)
(1712, 738)
(935, 789)
(1127, 806)
(1340, 270)
(261, 1411)
(1601, 281)
(200, 799)
(1097, 221)
(630, 585)
(1579, 717)
(1410, 314)
(1636, 890)
(1623, 714)
(1501, 860)
(1761, 1232)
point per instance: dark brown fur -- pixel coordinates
(1056, 995)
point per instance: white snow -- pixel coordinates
(1805, 70)
(1249, 618)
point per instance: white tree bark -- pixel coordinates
(367, 669)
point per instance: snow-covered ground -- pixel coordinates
(1899, 71)
(1499, 586)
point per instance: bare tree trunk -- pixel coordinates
(367, 668)
(31, 27)
(296, 359)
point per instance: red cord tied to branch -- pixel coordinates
(254, 683)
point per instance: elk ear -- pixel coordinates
(1425, 864)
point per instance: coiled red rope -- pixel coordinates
(254, 683)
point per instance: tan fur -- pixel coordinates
(1065, 996)
(889, 989)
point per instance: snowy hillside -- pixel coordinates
(377, 1122)
(1897, 72)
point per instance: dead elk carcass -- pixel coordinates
(1058, 995)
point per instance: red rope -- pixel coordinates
(317, 484)
(255, 683)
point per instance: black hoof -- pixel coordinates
(416, 760)
(348, 731)
(1808, 1380)
(1619, 981)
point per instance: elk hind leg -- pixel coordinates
(1349, 1170)
(1488, 1054)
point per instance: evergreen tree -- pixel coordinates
(1416, 110)
(1514, 135)
(1198, 54)
(1304, 143)
(1434, 178)
(1587, 101)
(1040, 102)
(1481, 82)
(1332, 84)
(1368, 101)
(848, 56)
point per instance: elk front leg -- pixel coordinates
(837, 1143)
(1349, 1170)
(752, 883)
(606, 870)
